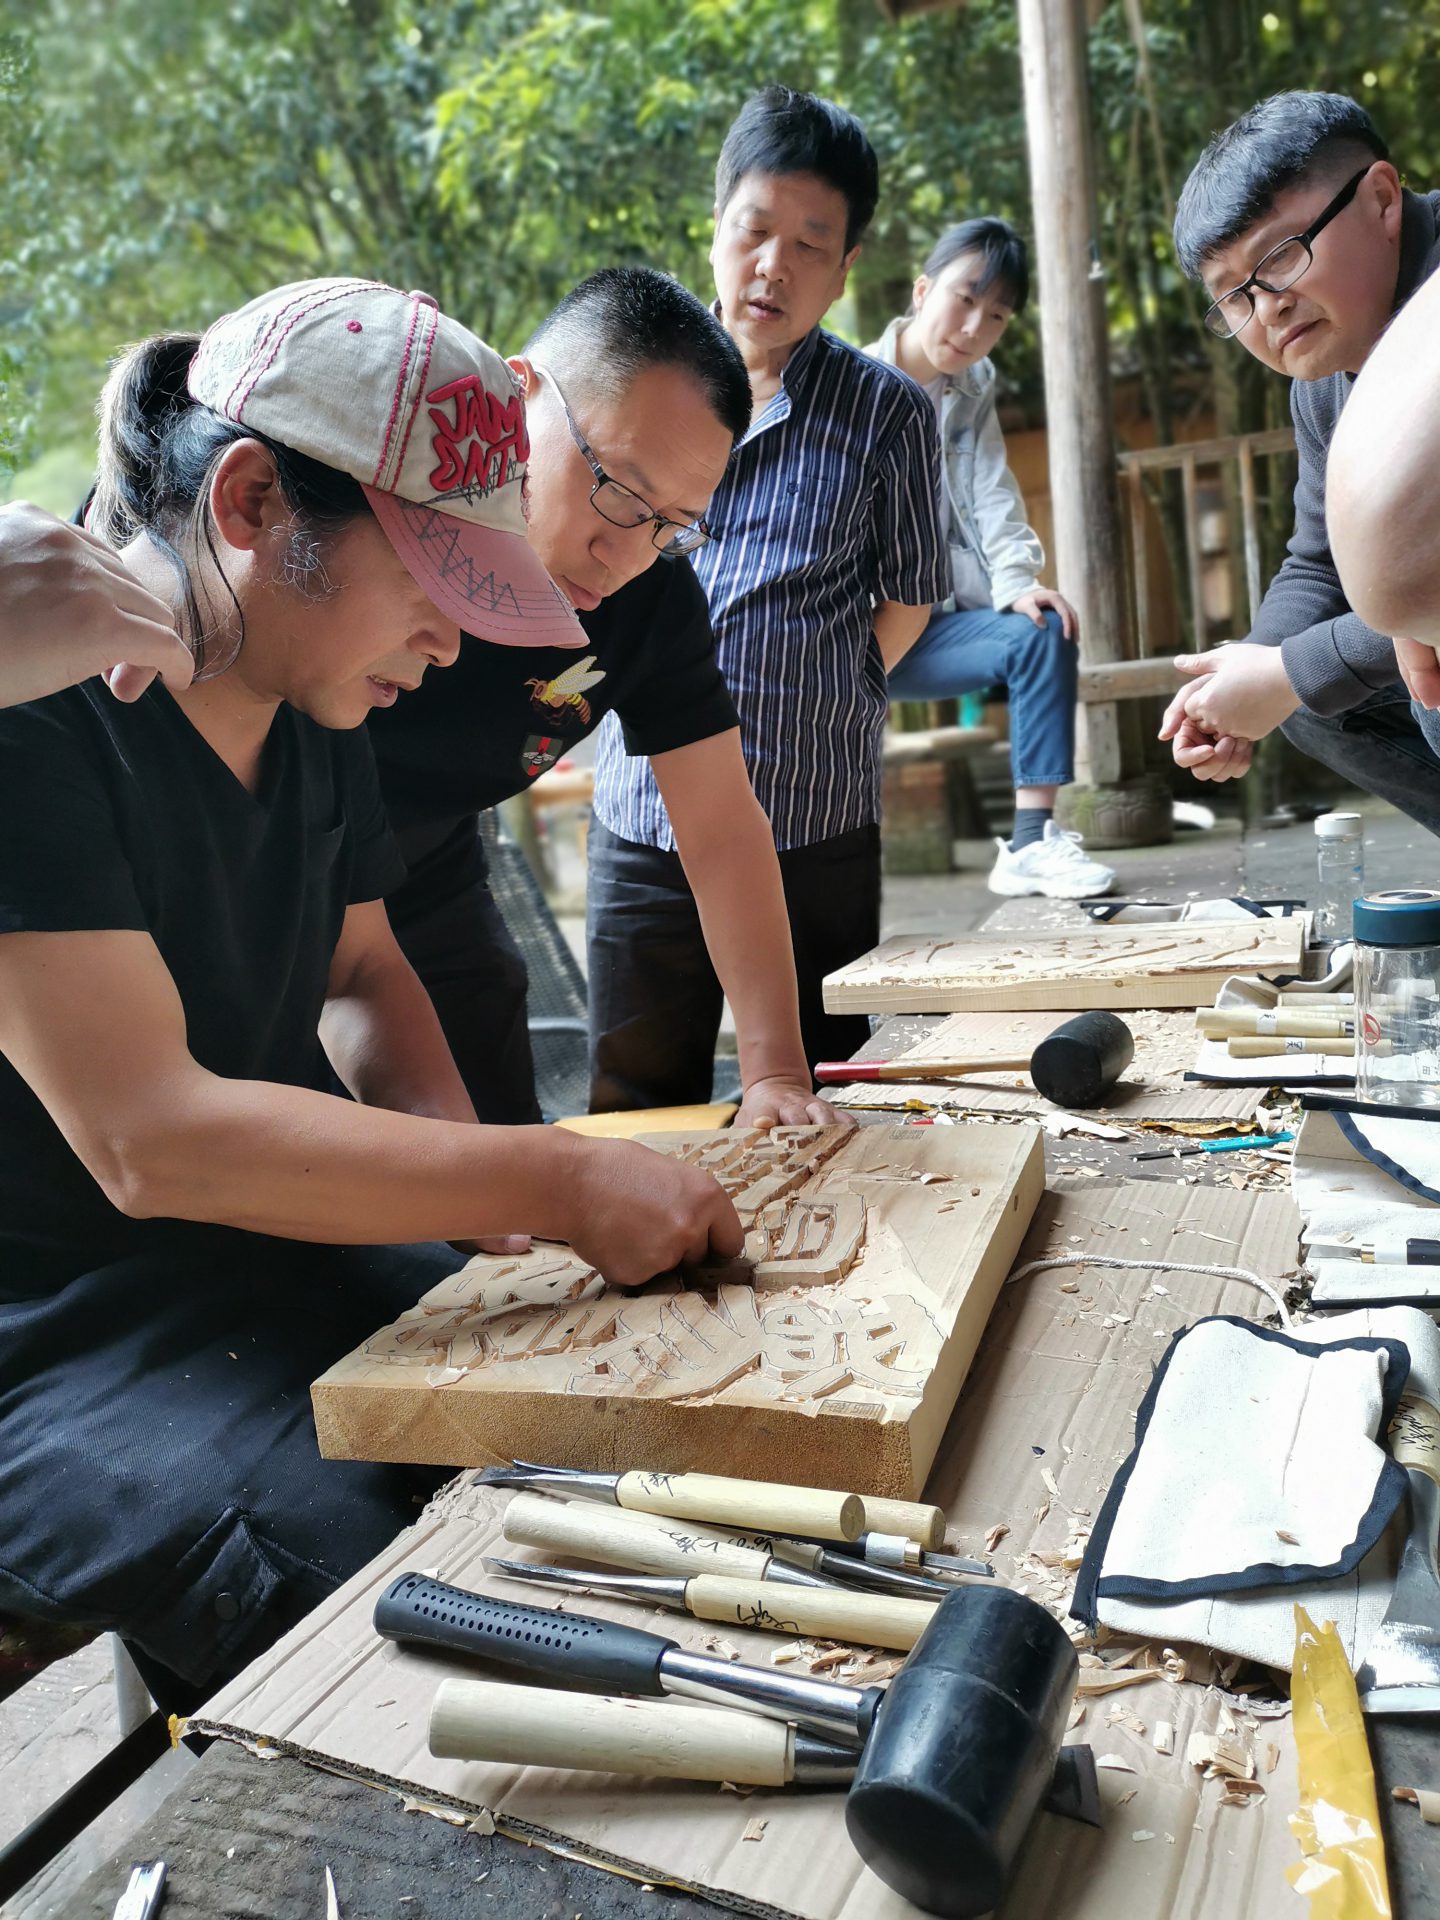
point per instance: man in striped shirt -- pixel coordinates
(827, 559)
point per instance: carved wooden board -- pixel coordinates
(832, 1355)
(1097, 967)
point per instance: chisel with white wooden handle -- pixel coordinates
(868, 1619)
(760, 1506)
(1260, 1047)
(1219, 1023)
(655, 1545)
(540, 1727)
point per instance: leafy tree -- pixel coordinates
(161, 163)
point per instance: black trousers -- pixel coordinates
(159, 1473)
(655, 1001)
(1385, 746)
(452, 933)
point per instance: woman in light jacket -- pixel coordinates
(999, 627)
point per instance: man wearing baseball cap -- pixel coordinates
(193, 940)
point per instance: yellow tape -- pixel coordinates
(1338, 1820)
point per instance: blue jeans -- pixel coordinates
(960, 652)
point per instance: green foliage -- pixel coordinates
(163, 163)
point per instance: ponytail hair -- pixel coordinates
(1005, 261)
(159, 448)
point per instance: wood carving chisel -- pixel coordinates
(654, 1545)
(869, 1619)
(1216, 1146)
(498, 1722)
(605, 1657)
(1404, 1253)
(763, 1506)
(888, 1550)
(1218, 1023)
(540, 1727)
(1257, 1047)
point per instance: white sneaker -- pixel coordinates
(1056, 866)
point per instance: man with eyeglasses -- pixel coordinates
(1296, 224)
(634, 400)
(827, 561)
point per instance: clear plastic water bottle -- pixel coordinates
(1397, 997)
(1340, 855)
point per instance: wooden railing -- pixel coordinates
(1152, 673)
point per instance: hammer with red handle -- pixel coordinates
(1075, 1066)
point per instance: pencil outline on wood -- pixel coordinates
(899, 1248)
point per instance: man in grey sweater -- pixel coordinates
(1296, 223)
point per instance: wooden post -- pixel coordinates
(1089, 548)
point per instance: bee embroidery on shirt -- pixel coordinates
(567, 689)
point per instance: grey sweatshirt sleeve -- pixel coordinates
(1333, 660)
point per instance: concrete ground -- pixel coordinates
(57, 1726)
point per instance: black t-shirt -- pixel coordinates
(115, 816)
(475, 733)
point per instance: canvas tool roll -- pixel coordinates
(1260, 1478)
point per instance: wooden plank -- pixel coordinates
(1207, 452)
(833, 1357)
(1100, 967)
(1129, 679)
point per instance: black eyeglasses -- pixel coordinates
(620, 505)
(1281, 267)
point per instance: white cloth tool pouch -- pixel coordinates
(1359, 1179)
(1259, 1477)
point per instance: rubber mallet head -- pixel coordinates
(1078, 1064)
(963, 1751)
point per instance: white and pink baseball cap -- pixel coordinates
(381, 385)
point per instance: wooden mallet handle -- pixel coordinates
(543, 1727)
(828, 1072)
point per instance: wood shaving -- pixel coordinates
(332, 1899)
(1142, 1833)
(1114, 1763)
(755, 1829)
(1424, 1798)
(1124, 1799)
(1107, 1681)
(1163, 1737)
(1119, 1716)
(996, 1534)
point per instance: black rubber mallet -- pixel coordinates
(1075, 1066)
(953, 1759)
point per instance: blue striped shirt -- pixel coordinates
(828, 507)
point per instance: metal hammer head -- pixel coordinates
(963, 1751)
(1079, 1063)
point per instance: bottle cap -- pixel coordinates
(1406, 917)
(1340, 826)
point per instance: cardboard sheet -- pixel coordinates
(1153, 1092)
(1045, 1418)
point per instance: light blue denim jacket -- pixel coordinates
(995, 555)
